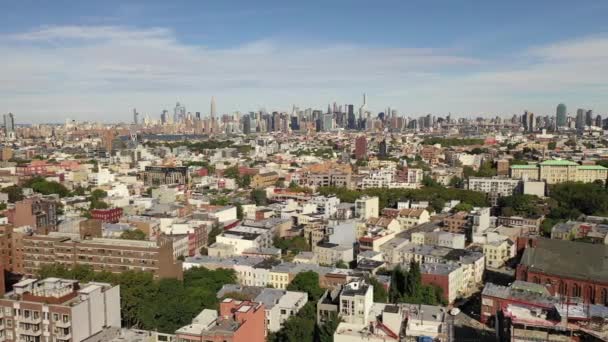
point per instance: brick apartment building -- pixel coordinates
(113, 255)
(58, 310)
(112, 215)
(456, 223)
(567, 268)
(165, 175)
(37, 212)
(238, 321)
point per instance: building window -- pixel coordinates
(576, 290)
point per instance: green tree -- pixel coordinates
(232, 172)
(414, 279)
(134, 234)
(15, 193)
(380, 294)
(327, 329)
(341, 264)
(552, 145)
(41, 185)
(259, 196)
(239, 211)
(307, 282)
(462, 207)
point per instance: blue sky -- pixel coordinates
(85, 59)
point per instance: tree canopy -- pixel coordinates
(389, 197)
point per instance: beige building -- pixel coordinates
(499, 252)
(59, 310)
(559, 171)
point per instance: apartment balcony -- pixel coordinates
(31, 319)
(62, 324)
(63, 337)
(29, 332)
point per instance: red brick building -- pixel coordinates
(238, 321)
(107, 215)
(360, 147)
(567, 268)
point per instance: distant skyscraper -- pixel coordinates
(212, 112)
(135, 116)
(328, 122)
(179, 113)
(352, 121)
(598, 121)
(363, 107)
(589, 118)
(9, 125)
(580, 120)
(560, 115)
(247, 124)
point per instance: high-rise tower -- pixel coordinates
(212, 113)
(560, 115)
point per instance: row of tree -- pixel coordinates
(436, 195)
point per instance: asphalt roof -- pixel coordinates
(568, 259)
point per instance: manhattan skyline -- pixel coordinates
(98, 61)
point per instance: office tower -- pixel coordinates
(135, 116)
(352, 121)
(9, 125)
(580, 120)
(197, 115)
(212, 112)
(363, 107)
(164, 117)
(328, 120)
(179, 113)
(360, 147)
(598, 121)
(531, 122)
(589, 118)
(560, 115)
(247, 124)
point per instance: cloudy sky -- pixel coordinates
(98, 60)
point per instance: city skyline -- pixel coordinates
(102, 61)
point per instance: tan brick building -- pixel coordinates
(113, 255)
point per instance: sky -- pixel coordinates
(97, 60)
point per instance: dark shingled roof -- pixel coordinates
(568, 259)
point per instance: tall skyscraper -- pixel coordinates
(560, 115)
(598, 121)
(179, 113)
(9, 123)
(352, 121)
(212, 113)
(589, 118)
(247, 124)
(135, 116)
(580, 120)
(363, 107)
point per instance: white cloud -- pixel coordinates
(80, 71)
